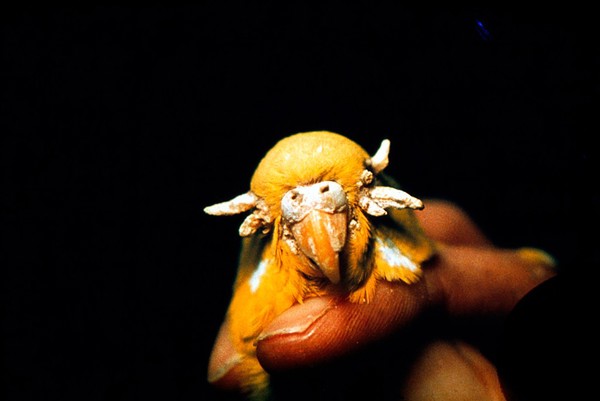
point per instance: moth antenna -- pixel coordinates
(239, 204)
(379, 160)
(260, 218)
(375, 200)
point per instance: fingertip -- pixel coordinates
(452, 370)
(222, 372)
(474, 280)
(446, 222)
(226, 378)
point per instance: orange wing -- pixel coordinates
(263, 290)
(399, 247)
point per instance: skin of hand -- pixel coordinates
(470, 280)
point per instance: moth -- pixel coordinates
(322, 218)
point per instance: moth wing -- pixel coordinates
(397, 256)
(251, 254)
(260, 293)
(400, 245)
(402, 228)
(397, 250)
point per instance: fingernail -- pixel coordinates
(224, 357)
(541, 264)
(216, 373)
(299, 318)
(537, 255)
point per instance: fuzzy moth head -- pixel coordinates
(260, 218)
(317, 214)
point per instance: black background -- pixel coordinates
(120, 123)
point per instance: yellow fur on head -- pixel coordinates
(306, 158)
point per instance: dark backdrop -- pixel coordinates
(120, 123)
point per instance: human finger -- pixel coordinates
(461, 281)
(223, 361)
(451, 370)
(445, 222)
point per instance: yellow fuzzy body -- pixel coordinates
(271, 277)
